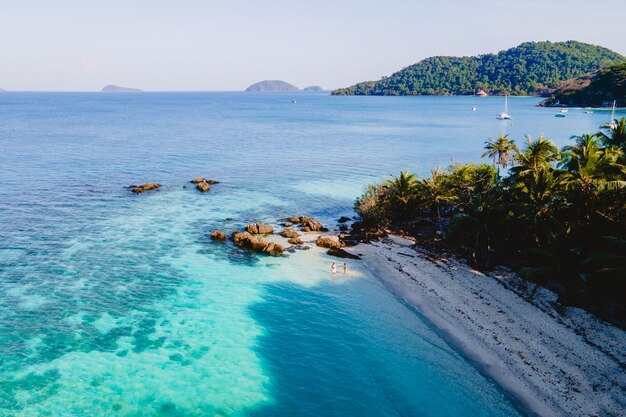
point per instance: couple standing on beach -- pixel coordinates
(333, 268)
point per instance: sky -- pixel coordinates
(194, 45)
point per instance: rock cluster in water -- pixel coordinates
(257, 244)
(203, 184)
(138, 189)
(308, 224)
(250, 239)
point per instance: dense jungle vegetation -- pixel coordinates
(556, 216)
(532, 68)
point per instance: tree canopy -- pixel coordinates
(528, 69)
(598, 89)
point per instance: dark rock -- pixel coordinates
(218, 235)
(259, 229)
(290, 233)
(340, 253)
(343, 219)
(137, 189)
(344, 228)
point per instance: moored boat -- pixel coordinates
(505, 114)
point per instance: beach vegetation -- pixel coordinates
(557, 216)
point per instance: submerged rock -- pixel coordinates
(343, 219)
(218, 235)
(259, 229)
(341, 253)
(328, 242)
(290, 233)
(138, 189)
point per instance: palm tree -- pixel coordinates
(434, 193)
(538, 198)
(402, 192)
(500, 150)
(538, 155)
(589, 167)
(614, 133)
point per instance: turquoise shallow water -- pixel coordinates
(116, 304)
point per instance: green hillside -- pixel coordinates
(597, 89)
(528, 69)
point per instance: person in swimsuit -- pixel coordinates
(333, 268)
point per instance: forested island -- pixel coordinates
(556, 216)
(117, 89)
(599, 89)
(278, 86)
(532, 68)
(270, 86)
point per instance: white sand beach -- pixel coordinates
(554, 361)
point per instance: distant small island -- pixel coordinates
(272, 86)
(117, 89)
(2, 90)
(278, 86)
(531, 68)
(598, 89)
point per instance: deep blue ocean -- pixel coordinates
(115, 304)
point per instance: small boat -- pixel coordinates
(505, 114)
(612, 123)
(474, 108)
(563, 110)
(588, 112)
(559, 115)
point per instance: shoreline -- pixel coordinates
(551, 360)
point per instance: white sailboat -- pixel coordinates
(505, 114)
(612, 123)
